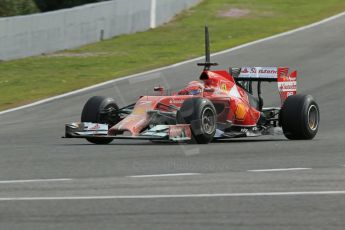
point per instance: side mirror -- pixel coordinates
(158, 89)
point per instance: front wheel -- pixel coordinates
(201, 115)
(300, 117)
(93, 112)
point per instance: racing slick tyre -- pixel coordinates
(300, 117)
(202, 117)
(92, 112)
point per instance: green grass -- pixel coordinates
(30, 79)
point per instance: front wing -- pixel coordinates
(180, 132)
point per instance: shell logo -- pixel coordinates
(139, 111)
(241, 111)
(283, 77)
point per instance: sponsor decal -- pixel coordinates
(176, 101)
(289, 94)
(283, 74)
(244, 130)
(177, 132)
(144, 103)
(244, 70)
(287, 86)
(241, 111)
(141, 107)
(223, 87)
(139, 111)
(293, 76)
(268, 71)
(94, 127)
(259, 72)
(263, 70)
(287, 82)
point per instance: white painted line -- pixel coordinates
(174, 65)
(32, 181)
(303, 193)
(278, 170)
(165, 175)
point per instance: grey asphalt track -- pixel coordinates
(31, 149)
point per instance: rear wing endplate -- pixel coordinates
(287, 82)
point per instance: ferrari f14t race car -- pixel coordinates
(220, 105)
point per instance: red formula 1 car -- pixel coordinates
(220, 105)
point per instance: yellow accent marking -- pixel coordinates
(241, 111)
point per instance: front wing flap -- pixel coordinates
(180, 132)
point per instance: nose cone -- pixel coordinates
(132, 123)
(137, 120)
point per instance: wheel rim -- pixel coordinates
(208, 121)
(313, 117)
(108, 119)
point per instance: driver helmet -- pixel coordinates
(193, 88)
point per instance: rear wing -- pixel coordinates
(287, 82)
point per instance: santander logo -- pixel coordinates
(245, 70)
(176, 101)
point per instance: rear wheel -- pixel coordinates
(300, 117)
(93, 112)
(201, 115)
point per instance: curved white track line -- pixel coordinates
(278, 170)
(165, 175)
(33, 180)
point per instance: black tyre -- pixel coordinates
(201, 115)
(92, 113)
(300, 117)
